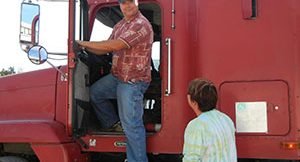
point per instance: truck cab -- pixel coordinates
(248, 48)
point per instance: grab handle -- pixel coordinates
(168, 89)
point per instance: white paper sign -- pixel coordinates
(251, 117)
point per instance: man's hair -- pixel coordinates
(204, 93)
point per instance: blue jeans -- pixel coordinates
(130, 108)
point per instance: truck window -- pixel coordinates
(100, 31)
(156, 55)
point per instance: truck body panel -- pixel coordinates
(28, 108)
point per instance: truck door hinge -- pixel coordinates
(63, 77)
(173, 15)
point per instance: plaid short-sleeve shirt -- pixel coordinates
(134, 63)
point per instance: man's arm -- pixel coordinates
(103, 47)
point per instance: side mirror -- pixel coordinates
(37, 54)
(29, 25)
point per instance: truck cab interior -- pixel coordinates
(91, 67)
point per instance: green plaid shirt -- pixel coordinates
(210, 138)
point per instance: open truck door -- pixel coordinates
(88, 67)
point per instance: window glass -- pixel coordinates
(156, 54)
(100, 31)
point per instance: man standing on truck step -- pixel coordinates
(131, 43)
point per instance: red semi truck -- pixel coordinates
(249, 48)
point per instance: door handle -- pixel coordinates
(168, 89)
